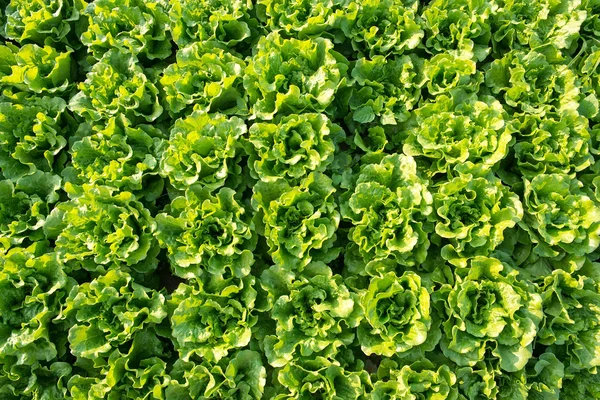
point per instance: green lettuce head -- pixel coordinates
(397, 316)
(582, 386)
(529, 83)
(241, 376)
(386, 27)
(572, 319)
(459, 27)
(560, 216)
(387, 89)
(302, 19)
(555, 143)
(139, 27)
(299, 222)
(388, 207)
(473, 214)
(117, 84)
(204, 148)
(489, 311)
(445, 73)
(207, 232)
(36, 382)
(118, 155)
(416, 381)
(225, 21)
(101, 228)
(293, 147)
(319, 378)
(544, 24)
(212, 320)
(44, 21)
(40, 70)
(25, 206)
(115, 335)
(33, 137)
(206, 76)
(315, 314)
(462, 133)
(290, 76)
(33, 285)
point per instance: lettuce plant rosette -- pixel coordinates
(397, 316)
(319, 377)
(387, 89)
(293, 147)
(206, 76)
(210, 232)
(560, 216)
(115, 335)
(101, 228)
(290, 76)
(462, 133)
(298, 222)
(33, 283)
(557, 143)
(228, 22)
(529, 83)
(33, 137)
(41, 70)
(419, 380)
(211, 318)
(472, 214)
(51, 22)
(118, 155)
(571, 303)
(518, 24)
(458, 27)
(388, 209)
(117, 85)
(241, 376)
(135, 26)
(383, 28)
(315, 313)
(303, 19)
(203, 148)
(489, 312)
(445, 73)
(25, 206)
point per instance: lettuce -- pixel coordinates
(133, 26)
(292, 148)
(228, 22)
(397, 315)
(472, 215)
(118, 155)
(381, 27)
(203, 231)
(212, 320)
(207, 77)
(51, 22)
(323, 304)
(463, 133)
(299, 221)
(388, 207)
(489, 312)
(101, 228)
(203, 148)
(289, 76)
(560, 216)
(117, 84)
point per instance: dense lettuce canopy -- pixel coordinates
(299, 199)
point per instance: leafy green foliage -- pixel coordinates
(309, 199)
